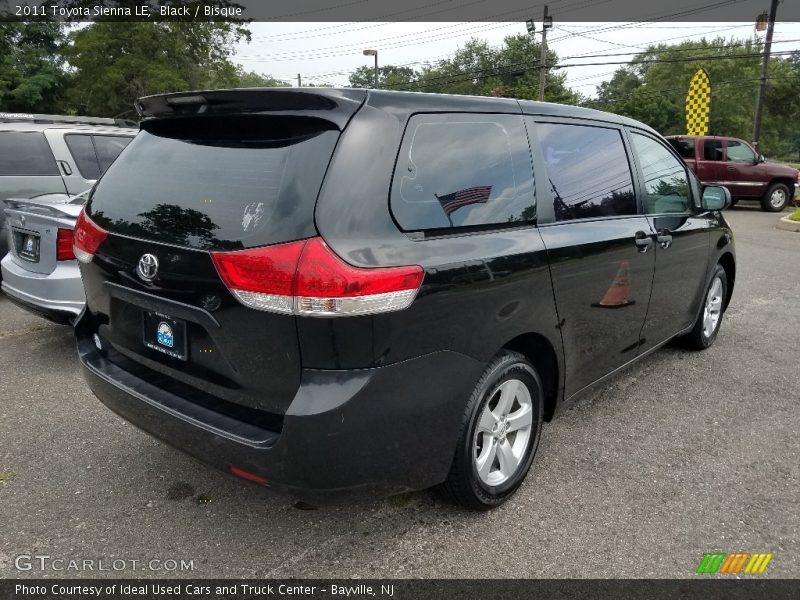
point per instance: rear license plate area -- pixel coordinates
(26, 245)
(164, 334)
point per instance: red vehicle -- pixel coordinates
(733, 163)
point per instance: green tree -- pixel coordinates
(32, 76)
(653, 89)
(478, 68)
(242, 78)
(114, 63)
(389, 77)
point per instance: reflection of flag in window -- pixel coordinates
(474, 195)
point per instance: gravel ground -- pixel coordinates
(681, 454)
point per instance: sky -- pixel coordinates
(328, 52)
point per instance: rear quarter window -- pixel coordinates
(94, 153)
(108, 148)
(217, 182)
(26, 153)
(82, 150)
(463, 170)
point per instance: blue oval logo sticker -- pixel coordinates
(164, 335)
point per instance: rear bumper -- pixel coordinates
(58, 296)
(347, 433)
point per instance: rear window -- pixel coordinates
(217, 182)
(25, 153)
(712, 150)
(683, 146)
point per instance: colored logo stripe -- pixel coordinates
(734, 562)
(758, 563)
(711, 562)
(720, 562)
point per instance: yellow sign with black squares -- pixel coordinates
(698, 104)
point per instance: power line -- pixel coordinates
(329, 51)
(459, 77)
(448, 56)
(674, 60)
(684, 88)
(524, 67)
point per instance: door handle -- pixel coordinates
(643, 241)
(664, 238)
(65, 167)
(730, 168)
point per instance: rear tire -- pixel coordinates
(499, 435)
(776, 198)
(709, 320)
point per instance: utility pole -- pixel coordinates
(762, 86)
(299, 82)
(547, 23)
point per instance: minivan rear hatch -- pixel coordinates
(209, 172)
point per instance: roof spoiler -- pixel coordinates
(7, 117)
(335, 105)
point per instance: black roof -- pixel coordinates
(338, 104)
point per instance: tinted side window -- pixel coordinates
(25, 153)
(740, 151)
(108, 148)
(683, 146)
(458, 170)
(82, 150)
(588, 169)
(712, 150)
(665, 182)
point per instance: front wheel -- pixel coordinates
(776, 198)
(499, 434)
(709, 320)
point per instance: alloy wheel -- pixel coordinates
(503, 433)
(713, 308)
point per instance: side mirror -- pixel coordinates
(715, 197)
(761, 158)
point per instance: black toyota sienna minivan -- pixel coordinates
(337, 292)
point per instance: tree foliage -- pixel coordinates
(479, 69)
(100, 68)
(655, 92)
(31, 65)
(149, 58)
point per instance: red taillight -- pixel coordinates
(322, 274)
(88, 237)
(248, 475)
(267, 270)
(307, 278)
(64, 242)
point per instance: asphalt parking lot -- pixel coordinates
(683, 454)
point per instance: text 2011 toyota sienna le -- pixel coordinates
(334, 292)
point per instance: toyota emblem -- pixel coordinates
(148, 267)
